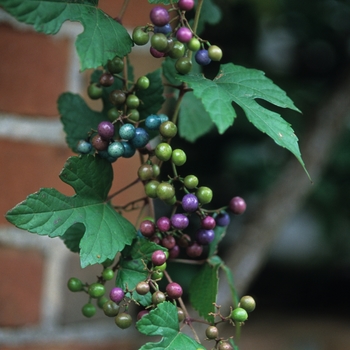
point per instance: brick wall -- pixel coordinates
(36, 309)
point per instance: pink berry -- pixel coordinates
(159, 16)
(208, 223)
(185, 5)
(237, 205)
(116, 294)
(184, 35)
(174, 290)
(163, 224)
(158, 258)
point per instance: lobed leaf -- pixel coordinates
(163, 321)
(102, 38)
(243, 86)
(49, 212)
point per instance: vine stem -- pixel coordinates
(122, 11)
(122, 189)
(182, 305)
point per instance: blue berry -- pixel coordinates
(223, 219)
(202, 57)
(153, 122)
(127, 131)
(140, 139)
(84, 147)
(204, 237)
(129, 149)
(189, 202)
(105, 155)
(166, 29)
(116, 149)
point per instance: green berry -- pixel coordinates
(133, 115)
(108, 262)
(194, 44)
(180, 314)
(157, 275)
(143, 83)
(178, 157)
(183, 65)
(247, 303)
(214, 53)
(239, 314)
(159, 42)
(110, 308)
(204, 194)
(101, 301)
(145, 172)
(108, 274)
(88, 310)
(132, 101)
(212, 332)
(165, 191)
(151, 188)
(95, 91)
(112, 114)
(163, 151)
(191, 182)
(75, 285)
(123, 320)
(96, 290)
(168, 129)
(116, 65)
(158, 297)
(139, 36)
(177, 51)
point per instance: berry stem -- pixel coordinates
(122, 11)
(188, 319)
(122, 189)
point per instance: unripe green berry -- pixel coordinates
(75, 285)
(204, 194)
(247, 303)
(108, 274)
(88, 310)
(239, 314)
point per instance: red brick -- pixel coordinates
(33, 71)
(21, 272)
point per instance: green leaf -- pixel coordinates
(151, 99)
(163, 321)
(243, 86)
(204, 288)
(49, 212)
(102, 38)
(77, 118)
(230, 282)
(164, 2)
(73, 236)
(220, 232)
(194, 120)
(210, 13)
(132, 267)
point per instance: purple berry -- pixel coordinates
(158, 258)
(184, 35)
(155, 53)
(159, 16)
(202, 57)
(237, 205)
(179, 221)
(141, 314)
(174, 252)
(194, 250)
(174, 290)
(189, 202)
(204, 237)
(163, 224)
(185, 5)
(116, 294)
(208, 223)
(105, 130)
(223, 219)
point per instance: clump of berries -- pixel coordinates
(174, 38)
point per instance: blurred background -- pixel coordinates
(290, 250)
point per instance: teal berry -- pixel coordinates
(127, 131)
(84, 147)
(116, 149)
(129, 149)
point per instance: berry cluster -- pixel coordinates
(178, 42)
